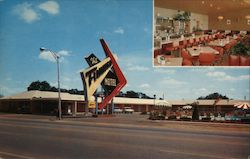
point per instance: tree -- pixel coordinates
(213, 96)
(1, 96)
(45, 86)
(132, 94)
(41, 86)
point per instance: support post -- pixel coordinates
(75, 108)
(112, 106)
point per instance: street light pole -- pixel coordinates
(59, 89)
(154, 99)
(56, 56)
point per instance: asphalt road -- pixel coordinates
(87, 139)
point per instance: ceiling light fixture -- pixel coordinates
(247, 17)
(220, 17)
(247, 1)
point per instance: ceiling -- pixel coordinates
(208, 7)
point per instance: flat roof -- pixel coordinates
(46, 95)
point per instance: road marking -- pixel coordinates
(13, 155)
(198, 155)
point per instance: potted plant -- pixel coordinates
(240, 53)
(240, 49)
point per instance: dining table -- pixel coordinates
(219, 42)
(196, 50)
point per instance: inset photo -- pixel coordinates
(201, 33)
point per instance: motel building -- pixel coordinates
(43, 102)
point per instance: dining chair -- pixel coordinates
(196, 42)
(169, 47)
(190, 42)
(219, 57)
(157, 52)
(187, 62)
(244, 61)
(206, 59)
(186, 55)
(227, 48)
(183, 44)
(234, 60)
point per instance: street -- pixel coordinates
(26, 138)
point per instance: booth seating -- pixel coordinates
(206, 58)
(235, 60)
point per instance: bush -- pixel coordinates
(172, 117)
(195, 115)
(144, 113)
(185, 118)
(206, 119)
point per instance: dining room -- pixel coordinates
(201, 33)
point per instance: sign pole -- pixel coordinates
(96, 103)
(112, 106)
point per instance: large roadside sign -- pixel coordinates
(106, 73)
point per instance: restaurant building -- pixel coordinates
(43, 102)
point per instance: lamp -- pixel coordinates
(56, 56)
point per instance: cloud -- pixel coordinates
(165, 71)
(144, 85)
(63, 53)
(137, 68)
(202, 89)
(8, 79)
(216, 74)
(171, 81)
(202, 70)
(199, 91)
(51, 7)
(47, 55)
(146, 30)
(232, 89)
(119, 30)
(9, 90)
(26, 12)
(231, 78)
(222, 76)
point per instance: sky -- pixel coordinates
(72, 29)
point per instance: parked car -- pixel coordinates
(117, 110)
(128, 110)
